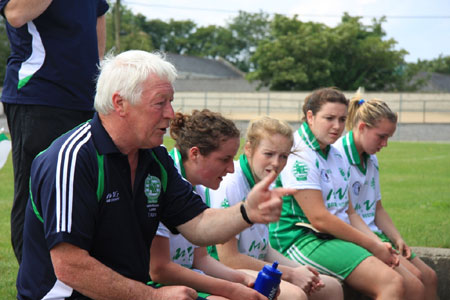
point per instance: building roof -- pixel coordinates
(197, 74)
(437, 83)
(198, 67)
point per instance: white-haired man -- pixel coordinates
(98, 193)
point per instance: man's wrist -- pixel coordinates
(244, 214)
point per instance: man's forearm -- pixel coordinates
(77, 269)
(19, 12)
(214, 226)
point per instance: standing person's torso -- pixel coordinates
(364, 180)
(54, 57)
(254, 240)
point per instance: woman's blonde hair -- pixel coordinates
(264, 127)
(368, 111)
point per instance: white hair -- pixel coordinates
(125, 74)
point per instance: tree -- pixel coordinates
(213, 42)
(295, 58)
(438, 65)
(247, 30)
(131, 34)
(305, 56)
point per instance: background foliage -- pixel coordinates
(281, 53)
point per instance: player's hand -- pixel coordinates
(403, 248)
(307, 278)
(264, 205)
(239, 291)
(384, 252)
(174, 293)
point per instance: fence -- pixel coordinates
(411, 107)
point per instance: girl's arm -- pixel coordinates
(163, 270)
(358, 222)
(229, 255)
(312, 204)
(214, 268)
(384, 222)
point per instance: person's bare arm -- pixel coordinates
(385, 223)
(165, 271)
(203, 261)
(101, 36)
(312, 204)
(77, 269)
(215, 226)
(358, 222)
(229, 255)
(19, 12)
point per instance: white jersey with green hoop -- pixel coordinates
(364, 180)
(234, 188)
(181, 250)
(310, 168)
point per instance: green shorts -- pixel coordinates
(158, 285)
(332, 257)
(385, 239)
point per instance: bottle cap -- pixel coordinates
(272, 270)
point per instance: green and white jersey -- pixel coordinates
(364, 180)
(181, 250)
(234, 188)
(308, 167)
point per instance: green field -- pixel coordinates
(415, 186)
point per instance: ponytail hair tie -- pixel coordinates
(360, 102)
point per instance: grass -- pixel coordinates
(415, 186)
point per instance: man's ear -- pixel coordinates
(119, 104)
(193, 153)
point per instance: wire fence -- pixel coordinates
(411, 107)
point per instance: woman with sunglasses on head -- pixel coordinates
(314, 228)
(267, 147)
(370, 124)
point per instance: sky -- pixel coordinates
(420, 27)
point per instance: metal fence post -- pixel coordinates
(423, 111)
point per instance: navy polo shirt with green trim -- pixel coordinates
(114, 223)
(54, 57)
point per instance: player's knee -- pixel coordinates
(292, 292)
(414, 288)
(430, 277)
(394, 283)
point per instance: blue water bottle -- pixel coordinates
(268, 280)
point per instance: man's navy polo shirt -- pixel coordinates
(54, 57)
(118, 229)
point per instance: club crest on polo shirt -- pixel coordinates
(225, 203)
(300, 171)
(356, 187)
(152, 189)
